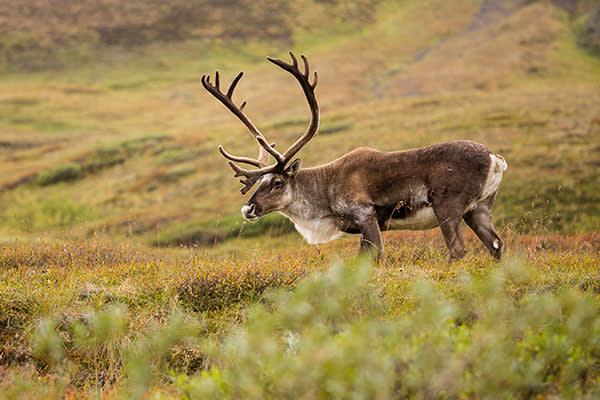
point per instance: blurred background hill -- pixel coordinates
(35, 31)
(106, 130)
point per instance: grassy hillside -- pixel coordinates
(126, 146)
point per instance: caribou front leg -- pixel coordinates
(370, 241)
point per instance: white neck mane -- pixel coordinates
(315, 230)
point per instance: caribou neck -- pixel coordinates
(310, 194)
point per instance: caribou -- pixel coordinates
(368, 191)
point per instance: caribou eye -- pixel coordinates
(277, 185)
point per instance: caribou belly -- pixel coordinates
(423, 219)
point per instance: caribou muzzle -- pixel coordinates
(250, 212)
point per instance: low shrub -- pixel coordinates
(333, 337)
(177, 172)
(60, 173)
(213, 287)
(105, 157)
(113, 154)
(590, 32)
(177, 155)
(329, 338)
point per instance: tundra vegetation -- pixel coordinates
(126, 269)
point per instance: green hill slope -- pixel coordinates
(116, 137)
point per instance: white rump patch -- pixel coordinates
(492, 182)
(425, 218)
(321, 230)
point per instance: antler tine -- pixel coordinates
(294, 61)
(234, 83)
(257, 163)
(315, 80)
(307, 73)
(305, 66)
(239, 171)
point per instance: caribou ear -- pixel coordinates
(294, 167)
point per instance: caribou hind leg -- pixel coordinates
(480, 220)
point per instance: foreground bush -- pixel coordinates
(330, 339)
(336, 336)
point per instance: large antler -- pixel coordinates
(309, 91)
(264, 147)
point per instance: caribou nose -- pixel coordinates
(248, 211)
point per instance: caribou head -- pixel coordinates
(274, 190)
